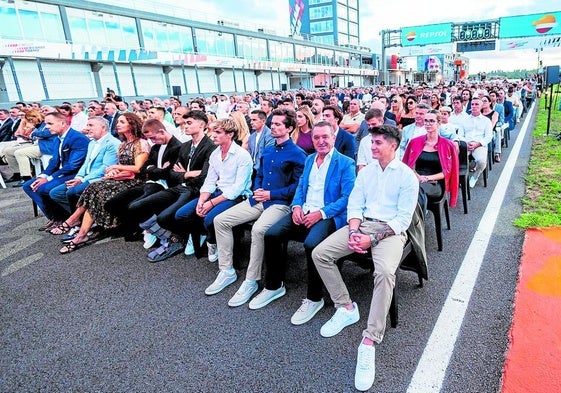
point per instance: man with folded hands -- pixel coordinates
(380, 209)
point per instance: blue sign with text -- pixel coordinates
(425, 35)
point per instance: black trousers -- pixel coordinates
(118, 205)
(164, 204)
(275, 260)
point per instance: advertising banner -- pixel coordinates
(530, 25)
(425, 35)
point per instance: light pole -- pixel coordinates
(539, 51)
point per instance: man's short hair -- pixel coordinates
(228, 125)
(197, 115)
(101, 120)
(457, 98)
(199, 102)
(58, 116)
(337, 113)
(372, 113)
(323, 123)
(153, 125)
(160, 109)
(262, 115)
(445, 109)
(289, 117)
(388, 132)
(423, 106)
(269, 102)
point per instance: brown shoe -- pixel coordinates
(50, 225)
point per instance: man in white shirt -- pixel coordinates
(273, 189)
(478, 132)
(458, 117)
(413, 130)
(379, 212)
(364, 155)
(79, 117)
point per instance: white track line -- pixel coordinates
(431, 370)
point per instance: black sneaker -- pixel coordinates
(15, 177)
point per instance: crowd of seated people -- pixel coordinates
(326, 168)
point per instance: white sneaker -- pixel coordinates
(340, 320)
(212, 252)
(223, 279)
(365, 367)
(307, 311)
(149, 240)
(242, 296)
(472, 181)
(265, 297)
(189, 248)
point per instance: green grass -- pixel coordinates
(541, 205)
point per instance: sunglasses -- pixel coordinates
(430, 121)
(395, 101)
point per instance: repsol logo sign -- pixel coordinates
(433, 34)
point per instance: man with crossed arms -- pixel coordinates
(379, 212)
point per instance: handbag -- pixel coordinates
(124, 175)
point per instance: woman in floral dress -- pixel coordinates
(132, 154)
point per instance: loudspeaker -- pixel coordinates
(176, 90)
(283, 87)
(551, 74)
(350, 84)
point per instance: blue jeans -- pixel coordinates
(66, 197)
(187, 218)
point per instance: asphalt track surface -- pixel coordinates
(103, 319)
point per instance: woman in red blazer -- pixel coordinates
(435, 160)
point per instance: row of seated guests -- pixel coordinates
(293, 197)
(30, 140)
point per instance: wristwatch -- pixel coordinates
(373, 240)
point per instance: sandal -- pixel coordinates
(88, 239)
(48, 226)
(73, 246)
(60, 229)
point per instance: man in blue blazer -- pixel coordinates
(344, 141)
(102, 153)
(260, 138)
(68, 157)
(319, 208)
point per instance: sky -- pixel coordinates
(377, 15)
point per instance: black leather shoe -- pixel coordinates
(19, 184)
(13, 178)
